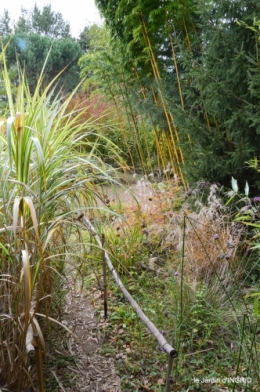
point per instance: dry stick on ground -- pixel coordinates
(159, 337)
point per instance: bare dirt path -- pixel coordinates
(94, 372)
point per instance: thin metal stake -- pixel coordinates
(169, 370)
(104, 275)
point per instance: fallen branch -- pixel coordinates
(159, 337)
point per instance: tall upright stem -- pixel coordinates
(168, 116)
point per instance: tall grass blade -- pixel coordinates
(27, 285)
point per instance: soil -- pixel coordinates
(95, 373)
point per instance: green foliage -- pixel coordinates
(210, 314)
(103, 68)
(86, 36)
(44, 22)
(193, 63)
(221, 94)
(46, 180)
(5, 28)
(36, 35)
(124, 19)
(33, 50)
(246, 210)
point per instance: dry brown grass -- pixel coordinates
(212, 241)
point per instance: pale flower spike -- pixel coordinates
(246, 189)
(234, 185)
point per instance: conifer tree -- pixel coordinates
(222, 93)
(36, 33)
(199, 71)
(5, 24)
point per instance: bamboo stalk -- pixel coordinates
(177, 138)
(159, 155)
(170, 153)
(150, 115)
(121, 125)
(135, 125)
(168, 116)
(187, 35)
(175, 64)
(190, 49)
(131, 116)
(155, 332)
(177, 77)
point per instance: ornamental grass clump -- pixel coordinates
(212, 239)
(47, 173)
(212, 316)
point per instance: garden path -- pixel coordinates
(94, 372)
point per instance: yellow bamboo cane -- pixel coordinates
(158, 78)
